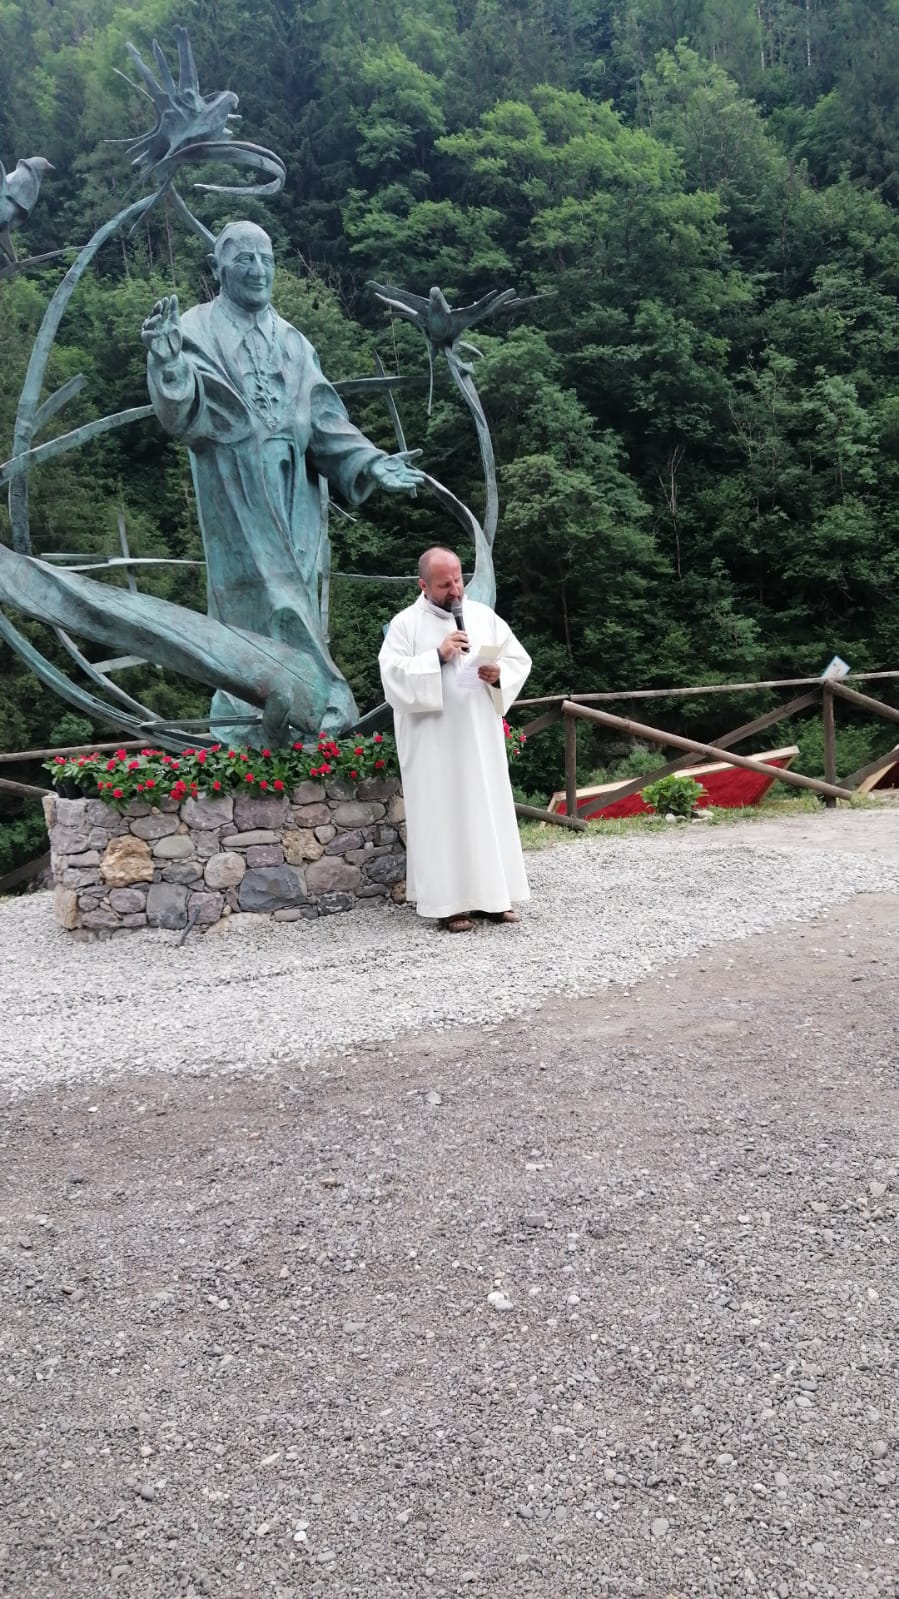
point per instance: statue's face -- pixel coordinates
(247, 269)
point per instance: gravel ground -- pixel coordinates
(582, 1285)
(602, 912)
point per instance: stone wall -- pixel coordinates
(327, 847)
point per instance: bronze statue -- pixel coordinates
(245, 392)
(267, 434)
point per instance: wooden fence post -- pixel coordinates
(570, 765)
(830, 743)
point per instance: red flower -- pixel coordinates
(120, 755)
(59, 760)
(201, 756)
(278, 784)
(358, 750)
(216, 784)
(325, 768)
(249, 778)
(232, 755)
(133, 766)
(266, 752)
(264, 783)
(354, 774)
(298, 746)
(379, 764)
(111, 766)
(213, 748)
(140, 788)
(378, 738)
(117, 793)
(150, 783)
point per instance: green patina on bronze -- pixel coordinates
(245, 392)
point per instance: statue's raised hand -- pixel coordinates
(161, 332)
(394, 471)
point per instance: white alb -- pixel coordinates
(463, 849)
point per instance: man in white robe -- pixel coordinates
(449, 689)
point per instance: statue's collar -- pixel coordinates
(246, 320)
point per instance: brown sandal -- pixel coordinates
(503, 916)
(457, 924)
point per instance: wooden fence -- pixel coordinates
(816, 691)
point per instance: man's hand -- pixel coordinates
(161, 333)
(393, 472)
(489, 673)
(454, 644)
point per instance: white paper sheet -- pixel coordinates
(468, 680)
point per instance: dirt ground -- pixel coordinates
(248, 1344)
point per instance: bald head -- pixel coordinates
(238, 236)
(440, 577)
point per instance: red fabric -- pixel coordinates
(730, 789)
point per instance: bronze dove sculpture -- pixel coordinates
(18, 195)
(441, 323)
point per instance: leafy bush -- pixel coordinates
(674, 795)
(639, 759)
(21, 840)
(71, 730)
(855, 744)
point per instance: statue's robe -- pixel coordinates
(462, 843)
(281, 681)
(261, 422)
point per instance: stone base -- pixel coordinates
(225, 860)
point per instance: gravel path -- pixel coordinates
(602, 912)
(593, 1298)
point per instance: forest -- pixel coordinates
(696, 420)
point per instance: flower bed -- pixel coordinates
(209, 838)
(151, 775)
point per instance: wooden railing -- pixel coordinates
(820, 691)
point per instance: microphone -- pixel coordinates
(459, 621)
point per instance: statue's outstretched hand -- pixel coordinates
(161, 332)
(393, 472)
